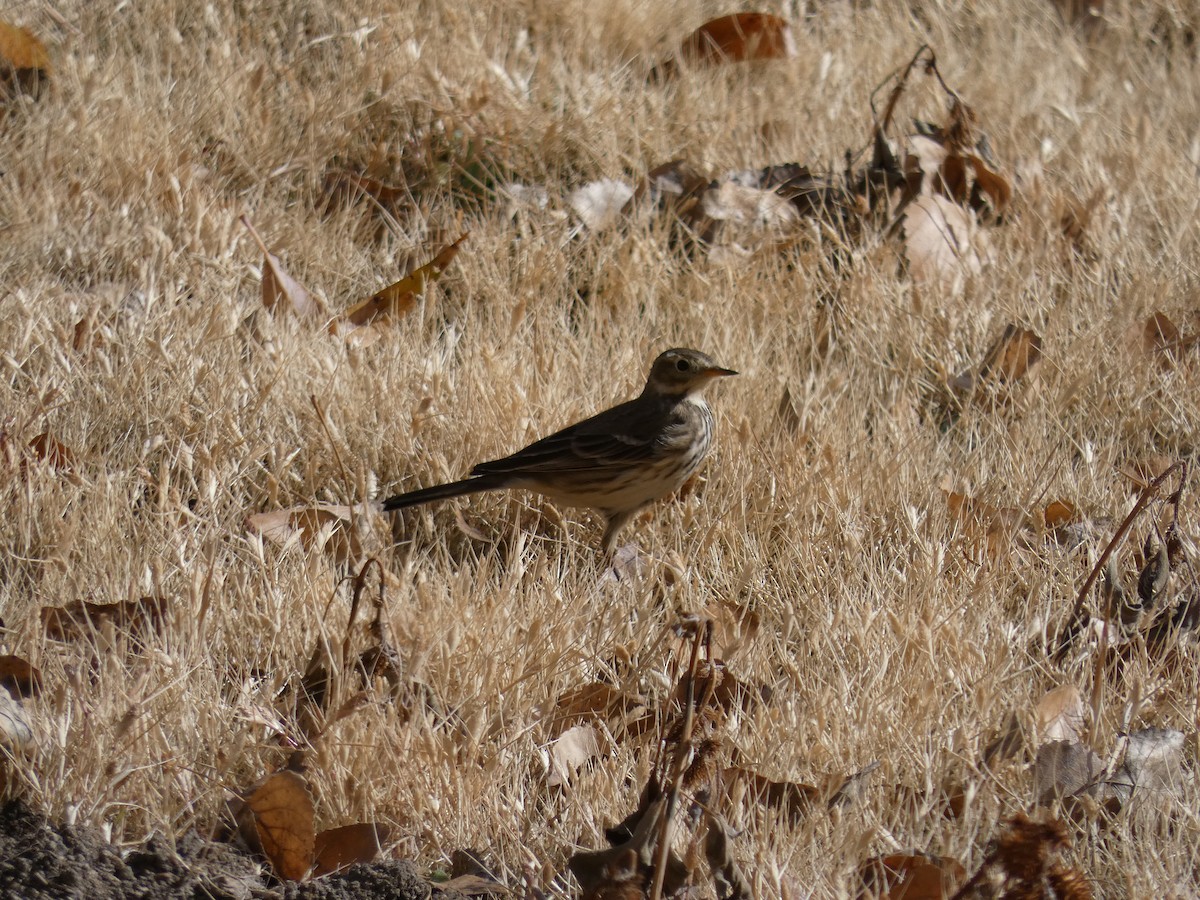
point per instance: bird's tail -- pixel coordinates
(443, 492)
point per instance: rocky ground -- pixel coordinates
(40, 860)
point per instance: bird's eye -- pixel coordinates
(682, 365)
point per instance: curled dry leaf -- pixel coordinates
(592, 703)
(574, 749)
(277, 815)
(53, 452)
(323, 526)
(24, 62)
(279, 288)
(730, 882)
(16, 734)
(1061, 715)
(1011, 356)
(1064, 769)
(19, 677)
(796, 800)
(1154, 758)
(338, 848)
(1141, 472)
(994, 526)
(910, 876)
(740, 37)
(942, 244)
(1160, 338)
(599, 205)
(395, 300)
(80, 619)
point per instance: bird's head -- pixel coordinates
(681, 373)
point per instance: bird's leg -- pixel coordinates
(616, 521)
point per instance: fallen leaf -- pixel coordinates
(279, 287)
(1159, 337)
(281, 809)
(941, 243)
(910, 876)
(1061, 715)
(79, 619)
(1063, 769)
(1011, 356)
(1141, 472)
(338, 848)
(52, 452)
(15, 730)
(727, 875)
(24, 62)
(599, 205)
(592, 703)
(572, 750)
(325, 526)
(1154, 759)
(994, 526)
(794, 799)
(740, 37)
(19, 677)
(399, 298)
(1059, 513)
(1006, 745)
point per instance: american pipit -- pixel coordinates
(616, 462)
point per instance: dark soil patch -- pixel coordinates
(43, 861)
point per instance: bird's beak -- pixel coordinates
(717, 372)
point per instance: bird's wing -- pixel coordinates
(613, 439)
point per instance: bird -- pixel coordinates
(618, 461)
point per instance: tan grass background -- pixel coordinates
(885, 635)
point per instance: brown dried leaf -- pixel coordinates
(1161, 338)
(79, 619)
(53, 452)
(339, 848)
(1061, 715)
(1059, 513)
(1011, 356)
(594, 702)
(1006, 745)
(1154, 759)
(278, 285)
(730, 882)
(399, 298)
(941, 243)
(989, 184)
(24, 62)
(16, 734)
(324, 526)
(1063, 769)
(574, 749)
(281, 807)
(995, 527)
(796, 800)
(1141, 472)
(910, 876)
(738, 38)
(19, 677)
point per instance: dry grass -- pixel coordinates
(884, 634)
